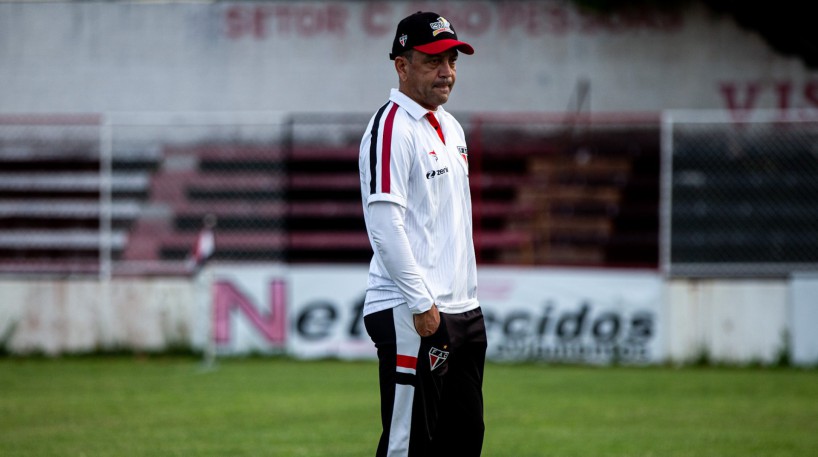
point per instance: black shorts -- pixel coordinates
(432, 387)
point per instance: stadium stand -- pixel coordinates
(242, 185)
(50, 196)
(588, 199)
(545, 199)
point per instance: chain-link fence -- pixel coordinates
(50, 193)
(131, 193)
(230, 169)
(570, 189)
(740, 194)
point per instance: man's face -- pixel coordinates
(427, 78)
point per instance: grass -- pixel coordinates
(159, 406)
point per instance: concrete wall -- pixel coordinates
(66, 316)
(332, 56)
(733, 321)
(727, 320)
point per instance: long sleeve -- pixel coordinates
(389, 235)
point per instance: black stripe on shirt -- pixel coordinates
(373, 150)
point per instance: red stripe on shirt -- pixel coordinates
(407, 361)
(386, 149)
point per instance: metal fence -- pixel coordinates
(740, 194)
(50, 193)
(129, 193)
(574, 189)
(124, 194)
(229, 167)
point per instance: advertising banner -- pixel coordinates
(532, 314)
(572, 315)
(326, 313)
(247, 311)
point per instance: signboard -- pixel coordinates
(558, 315)
(327, 319)
(248, 310)
(539, 314)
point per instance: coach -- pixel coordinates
(421, 308)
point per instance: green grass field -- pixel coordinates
(125, 406)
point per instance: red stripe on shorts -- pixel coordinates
(407, 361)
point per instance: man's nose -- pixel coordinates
(445, 70)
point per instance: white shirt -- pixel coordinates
(417, 208)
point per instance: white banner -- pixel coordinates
(575, 315)
(327, 304)
(556, 315)
(248, 310)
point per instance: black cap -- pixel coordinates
(426, 32)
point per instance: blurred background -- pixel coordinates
(184, 174)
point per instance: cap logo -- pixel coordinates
(442, 25)
(403, 39)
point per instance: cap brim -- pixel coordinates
(436, 47)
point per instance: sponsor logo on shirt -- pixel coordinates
(433, 173)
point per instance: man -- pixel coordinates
(421, 309)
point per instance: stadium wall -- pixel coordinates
(728, 320)
(540, 56)
(542, 314)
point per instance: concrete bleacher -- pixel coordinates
(538, 202)
(296, 206)
(588, 200)
(325, 216)
(50, 197)
(234, 182)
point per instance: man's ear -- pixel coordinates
(401, 66)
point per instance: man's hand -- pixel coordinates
(426, 324)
